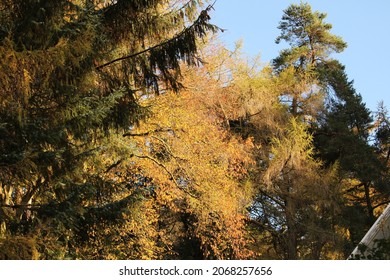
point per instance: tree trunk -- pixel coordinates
(294, 106)
(5, 199)
(370, 209)
(291, 243)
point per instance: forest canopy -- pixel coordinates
(128, 131)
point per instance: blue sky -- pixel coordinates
(364, 25)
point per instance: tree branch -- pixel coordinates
(171, 176)
(354, 188)
(168, 148)
(380, 204)
(148, 132)
(115, 164)
(32, 207)
(196, 22)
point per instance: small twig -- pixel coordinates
(113, 166)
(172, 177)
(129, 134)
(169, 150)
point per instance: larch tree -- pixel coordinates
(198, 173)
(298, 198)
(293, 198)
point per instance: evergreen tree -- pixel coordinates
(310, 43)
(382, 133)
(343, 136)
(72, 73)
(309, 37)
(382, 147)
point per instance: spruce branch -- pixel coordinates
(203, 18)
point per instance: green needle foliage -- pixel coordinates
(308, 35)
(72, 73)
(311, 43)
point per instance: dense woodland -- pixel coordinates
(128, 131)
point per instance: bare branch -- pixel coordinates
(168, 148)
(380, 204)
(148, 132)
(115, 164)
(32, 207)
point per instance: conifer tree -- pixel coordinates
(294, 182)
(382, 147)
(72, 74)
(294, 198)
(343, 136)
(382, 133)
(310, 43)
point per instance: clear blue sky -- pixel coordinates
(364, 25)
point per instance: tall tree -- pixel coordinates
(294, 198)
(343, 136)
(198, 171)
(72, 73)
(310, 43)
(298, 198)
(382, 133)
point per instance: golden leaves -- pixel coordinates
(196, 168)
